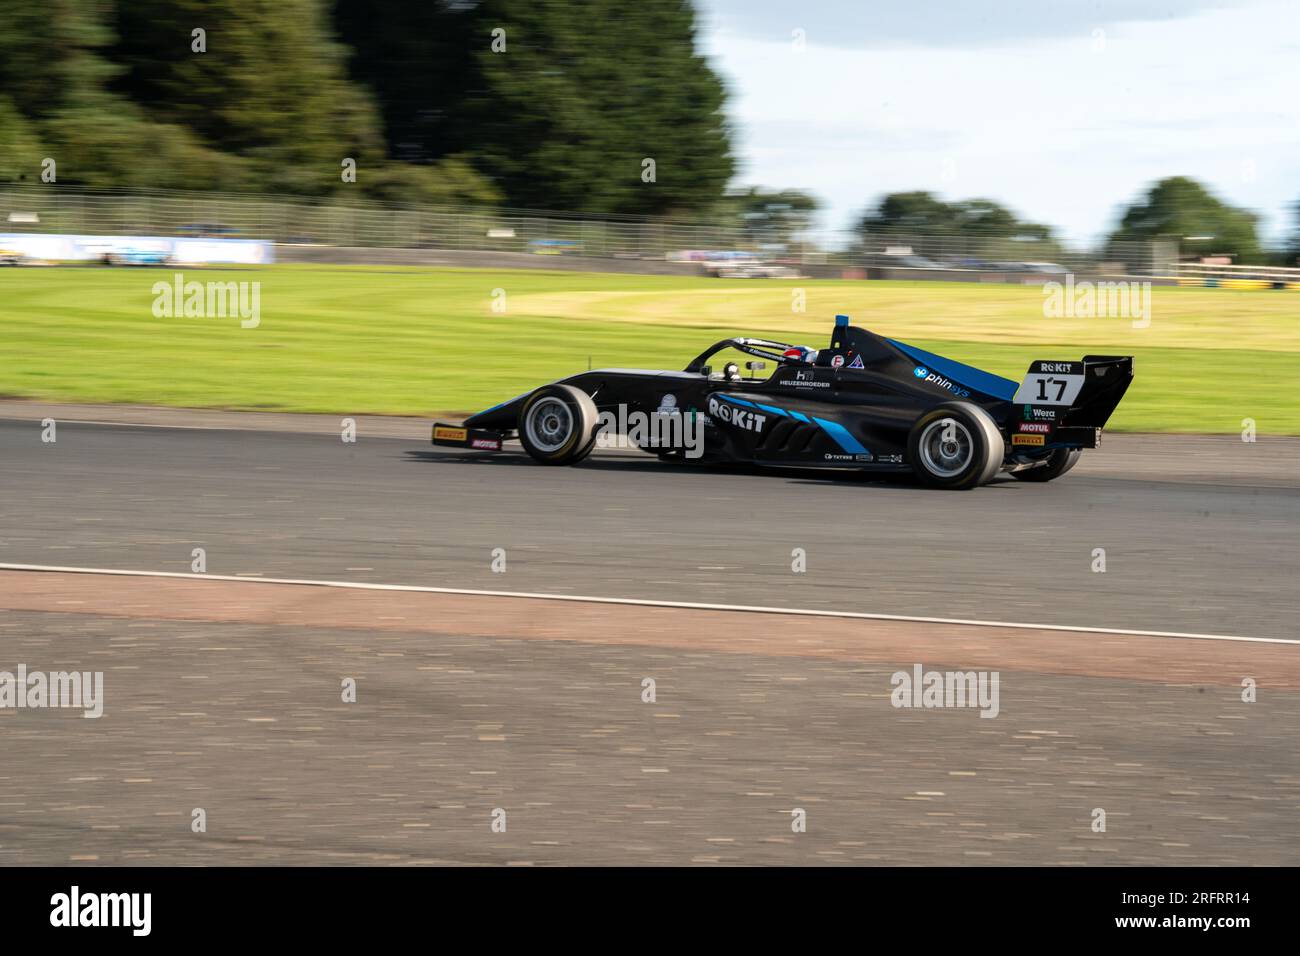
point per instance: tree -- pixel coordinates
(21, 149)
(270, 86)
(913, 212)
(1182, 209)
(560, 102)
(55, 67)
(420, 59)
(591, 105)
(921, 213)
(771, 218)
(52, 55)
(602, 106)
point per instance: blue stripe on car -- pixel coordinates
(971, 377)
(842, 437)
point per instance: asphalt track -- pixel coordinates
(225, 695)
(1179, 556)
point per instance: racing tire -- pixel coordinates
(1059, 462)
(557, 425)
(955, 445)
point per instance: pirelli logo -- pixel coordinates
(1028, 439)
(443, 433)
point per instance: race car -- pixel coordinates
(866, 402)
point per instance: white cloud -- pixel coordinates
(1057, 128)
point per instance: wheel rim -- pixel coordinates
(549, 424)
(946, 447)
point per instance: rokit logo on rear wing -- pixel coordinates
(1050, 383)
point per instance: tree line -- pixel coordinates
(600, 106)
(1176, 208)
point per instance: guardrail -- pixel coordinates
(996, 254)
(306, 221)
(339, 223)
(1238, 276)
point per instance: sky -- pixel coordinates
(1063, 110)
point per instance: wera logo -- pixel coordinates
(211, 300)
(946, 689)
(103, 909)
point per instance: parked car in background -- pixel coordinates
(750, 268)
(1047, 267)
(137, 256)
(916, 262)
(887, 260)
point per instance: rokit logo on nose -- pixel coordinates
(740, 417)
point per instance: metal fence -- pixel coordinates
(1018, 255)
(1215, 275)
(54, 209)
(301, 220)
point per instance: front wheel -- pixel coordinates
(955, 445)
(557, 425)
(1059, 462)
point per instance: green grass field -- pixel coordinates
(416, 341)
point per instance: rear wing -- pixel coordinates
(1106, 379)
(1068, 403)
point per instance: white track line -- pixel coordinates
(638, 602)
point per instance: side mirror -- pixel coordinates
(755, 366)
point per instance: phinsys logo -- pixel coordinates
(921, 371)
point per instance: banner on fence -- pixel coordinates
(139, 250)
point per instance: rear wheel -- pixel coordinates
(1059, 462)
(557, 425)
(955, 445)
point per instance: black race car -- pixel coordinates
(866, 402)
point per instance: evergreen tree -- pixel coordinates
(270, 85)
(585, 92)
